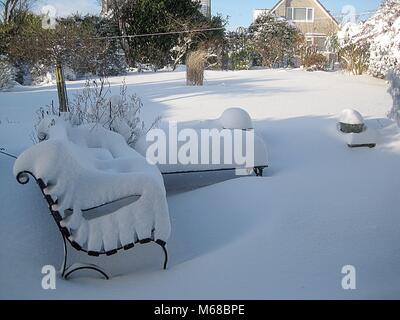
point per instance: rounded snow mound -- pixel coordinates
(236, 118)
(351, 116)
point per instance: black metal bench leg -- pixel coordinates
(67, 271)
(79, 267)
(163, 246)
(165, 258)
(259, 171)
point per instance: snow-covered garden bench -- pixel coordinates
(103, 195)
(232, 121)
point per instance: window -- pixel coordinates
(300, 14)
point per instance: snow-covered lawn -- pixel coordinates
(321, 206)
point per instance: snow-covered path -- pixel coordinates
(322, 206)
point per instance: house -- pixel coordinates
(310, 16)
(205, 7)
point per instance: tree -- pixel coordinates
(275, 40)
(12, 9)
(87, 45)
(374, 45)
(81, 44)
(203, 34)
(382, 33)
(7, 73)
(151, 29)
(28, 47)
(240, 49)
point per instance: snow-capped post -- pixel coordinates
(110, 115)
(61, 89)
(394, 90)
(351, 121)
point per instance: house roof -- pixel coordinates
(317, 2)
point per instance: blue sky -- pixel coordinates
(239, 11)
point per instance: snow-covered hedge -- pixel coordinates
(375, 44)
(353, 52)
(7, 73)
(382, 32)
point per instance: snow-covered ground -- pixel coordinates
(321, 206)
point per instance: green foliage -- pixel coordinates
(241, 50)
(77, 42)
(153, 17)
(275, 40)
(89, 46)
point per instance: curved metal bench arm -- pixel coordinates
(66, 271)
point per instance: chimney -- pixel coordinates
(105, 7)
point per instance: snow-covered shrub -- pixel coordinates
(382, 32)
(195, 64)
(314, 62)
(394, 90)
(69, 73)
(121, 113)
(7, 73)
(375, 44)
(41, 74)
(275, 40)
(95, 105)
(239, 50)
(353, 50)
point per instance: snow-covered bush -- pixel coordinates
(42, 74)
(7, 73)
(239, 50)
(394, 91)
(69, 73)
(314, 62)
(382, 32)
(95, 105)
(275, 40)
(353, 50)
(373, 45)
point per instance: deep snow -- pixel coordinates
(322, 205)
